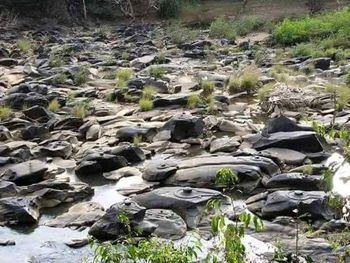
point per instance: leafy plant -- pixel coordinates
(222, 28)
(179, 34)
(278, 251)
(226, 177)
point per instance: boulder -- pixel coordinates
(184, 126)
(82, 214)
(185, 201)
(26, 173)
(8, 189)
(159, 170)
(283, 124)
(57, 149)
(286, 156)
(295, 181)
(224, 144)
(129, 133)
(133, 154)
(122, 172)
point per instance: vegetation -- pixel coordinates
(247, 81)
(80, 76)
(248, 24)
(193, 101)
(5, 113)
(169, 8)
(71, 95)
(342, 94)
(80, 110)
(136, 140)
(332, 28)
(148, 92)
(207, 87)
(156, 72)
(146, 104)
(226, 177)
(25, 46)
(55, 61)
(264, 91)
(123, 75)
(58, 79)
(54, 105)
(179, 34)
(222, 28)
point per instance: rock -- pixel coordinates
(286, 156)
(305, 141)
(224, 144)
(122, 172)
(57, 149)
(8, 189)
(4, 134)
(129, 133)
(171, 100)
(295, 181)
(184, 126)
(96, 163)
(94, 132)
(35, 132)
(26, 173)
(142, 62)
(77, 243)
(169, 224)
(321, 63)
(230, 126)
(18, 210)
(283, 203)
(159, 170)
(8, 62)
(111, 225)
(7, 242)
(201, 171)
(68, 123)
(185, 201)
(133, 154)
(82, 214)
(283, 124)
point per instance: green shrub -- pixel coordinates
(148, 92)
(347, 79)
(125, 55)
(193, 101)
(301, 50)
(55, 61)
(247, 81)
(80, 76)
(80, 111)
(290, 32)
(25, 45)
(248, 24)
(169, 8)
(234, 85)
(110, 95)
(54, 105)
(145, 104)
(222, 28)
(156, 72)
(226, 177)
(343, 97)
(179, 34)
(59, 79)
(5, 113)
(71, 95)
(264, 91)
(207, 87)
(123, 75)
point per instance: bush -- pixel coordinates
(59, 79)
(207, 87)
(226, 177)
(80, 111)
(302, 50)
(169, 9)
(81, 76)
(264, 91)
(179, 34)
(54, 105)
(222, 28)
(145, 104)
(55, 60)
(156, 72)
(193, 101)
(347, 79)
(247, 25)
(25, 45)
(291, 32)
(148, 92)
(5, 113)
(248, 81)
(123, 75)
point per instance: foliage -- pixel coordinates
(148, 92)
(193, 101)
(71, 95)
(247, 81)
(125, 55)
(58, 79)
(156, 72)
(55, 60)
(25, 45)
(5, 113)
(278, 251)
(307, 169)
(342, 95)
(80, 110)
(264, 91)
(110, 95)
(137, 139)
(226, 177)
(347, 79)
(290, 32)
(123, 75)
(207, 87)
(327, 180)
(302, 50)
(169, 8)
(145, 104)
(222, 28)
(54, 105)
(179, 34)
(80, 76)
(247, 24)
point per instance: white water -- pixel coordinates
(341, 178)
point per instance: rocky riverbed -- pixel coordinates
(66, 171)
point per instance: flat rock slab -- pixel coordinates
(83, 214)
(286, 156)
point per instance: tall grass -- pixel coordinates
(169, 8)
